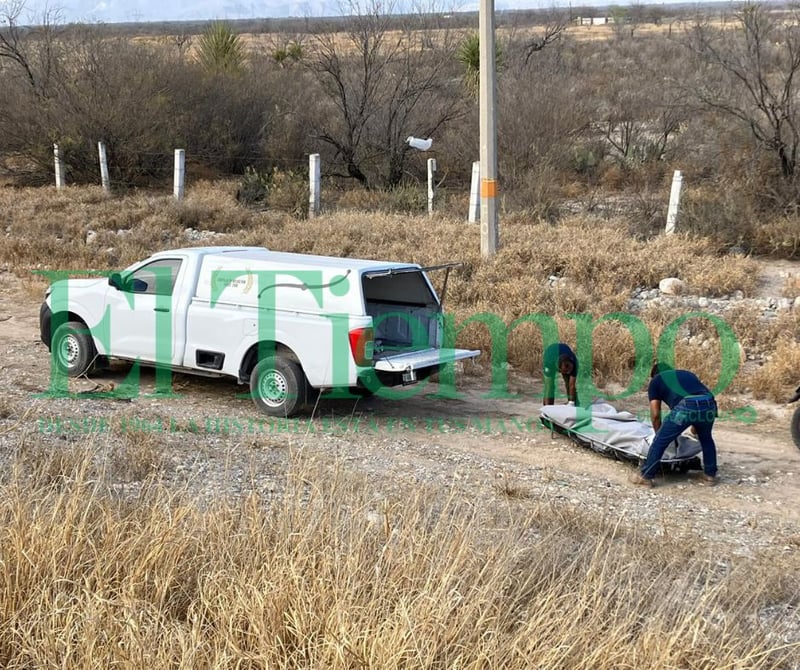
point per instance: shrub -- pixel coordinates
(254, 187)
(220, 49)
(779, 375)
(289, 192)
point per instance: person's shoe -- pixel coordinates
(708, 480)
(639, 480)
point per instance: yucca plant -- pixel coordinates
(221, 49)
(469, 55)
(292, 52)
(295, 51)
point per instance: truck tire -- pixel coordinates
(278, 386)
(73, 348)
(796, 427)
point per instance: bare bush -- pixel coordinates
(541, 121)
(749, 73)
(381, 87)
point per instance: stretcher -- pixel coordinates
(618, 434)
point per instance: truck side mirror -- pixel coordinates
(115, 280)
(136, 285)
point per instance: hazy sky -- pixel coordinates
(115, 11)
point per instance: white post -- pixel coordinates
(59, 167)
(104, 180)
(431, 184)
(475, 193)
(179, 173)
(674, 202)
(313, 185)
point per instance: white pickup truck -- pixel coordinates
(285, 324)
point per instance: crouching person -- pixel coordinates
(691, 404)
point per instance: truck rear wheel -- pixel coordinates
(73, 348)
(278, 386)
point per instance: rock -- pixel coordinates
(703, 302)
(90, 236)
(785, 304)
(671, 286)
(796, 304)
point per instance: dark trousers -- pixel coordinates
(697, 411)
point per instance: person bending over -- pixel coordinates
(691, 404)
(559, 357)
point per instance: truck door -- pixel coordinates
(142, 312)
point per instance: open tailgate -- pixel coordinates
(423, 358)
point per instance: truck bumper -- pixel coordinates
(45, 317)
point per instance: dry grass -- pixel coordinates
(779, 237)
(791, 289)
(335, 575)
(137, 456)
(596, 261)
(779, 373)
(8, 408)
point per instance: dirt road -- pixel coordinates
(483, 444)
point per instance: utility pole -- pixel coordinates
(488, 130)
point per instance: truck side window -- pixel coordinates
(156, 278)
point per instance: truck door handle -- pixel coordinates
(161, 309)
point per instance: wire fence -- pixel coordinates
(258, 175)
(154, 169)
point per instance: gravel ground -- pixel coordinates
(487, 450)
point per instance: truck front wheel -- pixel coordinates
(278, 386)
(73, 348)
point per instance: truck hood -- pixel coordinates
(71, 285)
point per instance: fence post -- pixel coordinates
(313, 185)
(179, 173)
(104, 180)
(59, 167)
(431, 184)
(475, 193)
(674, 202)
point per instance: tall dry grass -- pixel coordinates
(597, 263)
(103, 565)
(336, 574)
(791, 288)
(780, 372)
